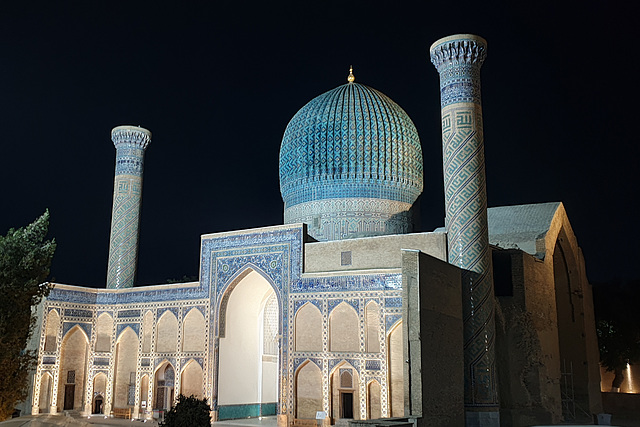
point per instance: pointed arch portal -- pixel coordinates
(248, 363)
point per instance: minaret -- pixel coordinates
(458, 60)
(130, 143)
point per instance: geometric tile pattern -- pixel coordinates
(351, 142)
(336, 219)
(458, 60)
(130, 143)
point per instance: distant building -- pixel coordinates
(344, 309)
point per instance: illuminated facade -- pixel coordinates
(343, 309)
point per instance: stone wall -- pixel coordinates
(432, 313)
(380, 252)
(546, 330)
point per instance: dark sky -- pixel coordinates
(217, 82)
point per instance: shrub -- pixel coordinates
(188, 412)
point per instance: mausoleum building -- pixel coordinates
(346, 309)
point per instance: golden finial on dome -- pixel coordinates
(351, 78)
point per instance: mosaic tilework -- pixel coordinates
(350, 142)
(368, 282)
(78, 313)
(129, 313)
(86, 327)
(101, 361)
(276, 254)
(393, 302)
(373, 365)
(176, 292)
(333, 303)
(336, 219)
(122, 326)
(458, 60)
(391, 320)
(299, 303)
(130, 143)
(49, 360)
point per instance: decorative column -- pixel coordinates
(458, 60)
(130, 143)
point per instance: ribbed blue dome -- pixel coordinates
(350, 142)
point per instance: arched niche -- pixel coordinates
(167, 333)
(51, 331)
(344, 329)
(144, 394)
(104, 329)
(193, 329)
(99, 393)
(46, 390)
(571, 319)
(147, 331)
(247, 373)
(163, 389)
(344, 389)
(308, 390)
(308, 328)
(125, 369)
(374, 402)
(372, 327)
(191, 380)
(395, 360)
(73, 369)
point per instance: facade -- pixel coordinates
(343, 309)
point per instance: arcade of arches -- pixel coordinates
(248, 359)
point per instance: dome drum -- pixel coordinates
(337, 219)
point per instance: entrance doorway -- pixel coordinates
(165, 381)
(97, 405)
(69, 396)
(249, 349)
(344, 392)
(346, 404)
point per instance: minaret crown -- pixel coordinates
(458, 50)
(131, 135)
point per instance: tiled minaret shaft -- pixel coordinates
(458, 60)
(130, 143)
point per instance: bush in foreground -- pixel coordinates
(188, 412)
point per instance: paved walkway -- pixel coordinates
(249, 422)
(61, 420)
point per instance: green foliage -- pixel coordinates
(617, 326)
(188, 412)
(25, 258)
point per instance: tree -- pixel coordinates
(188, 412)
(618, 330)
(25, 258)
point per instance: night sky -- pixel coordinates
(217, 82)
